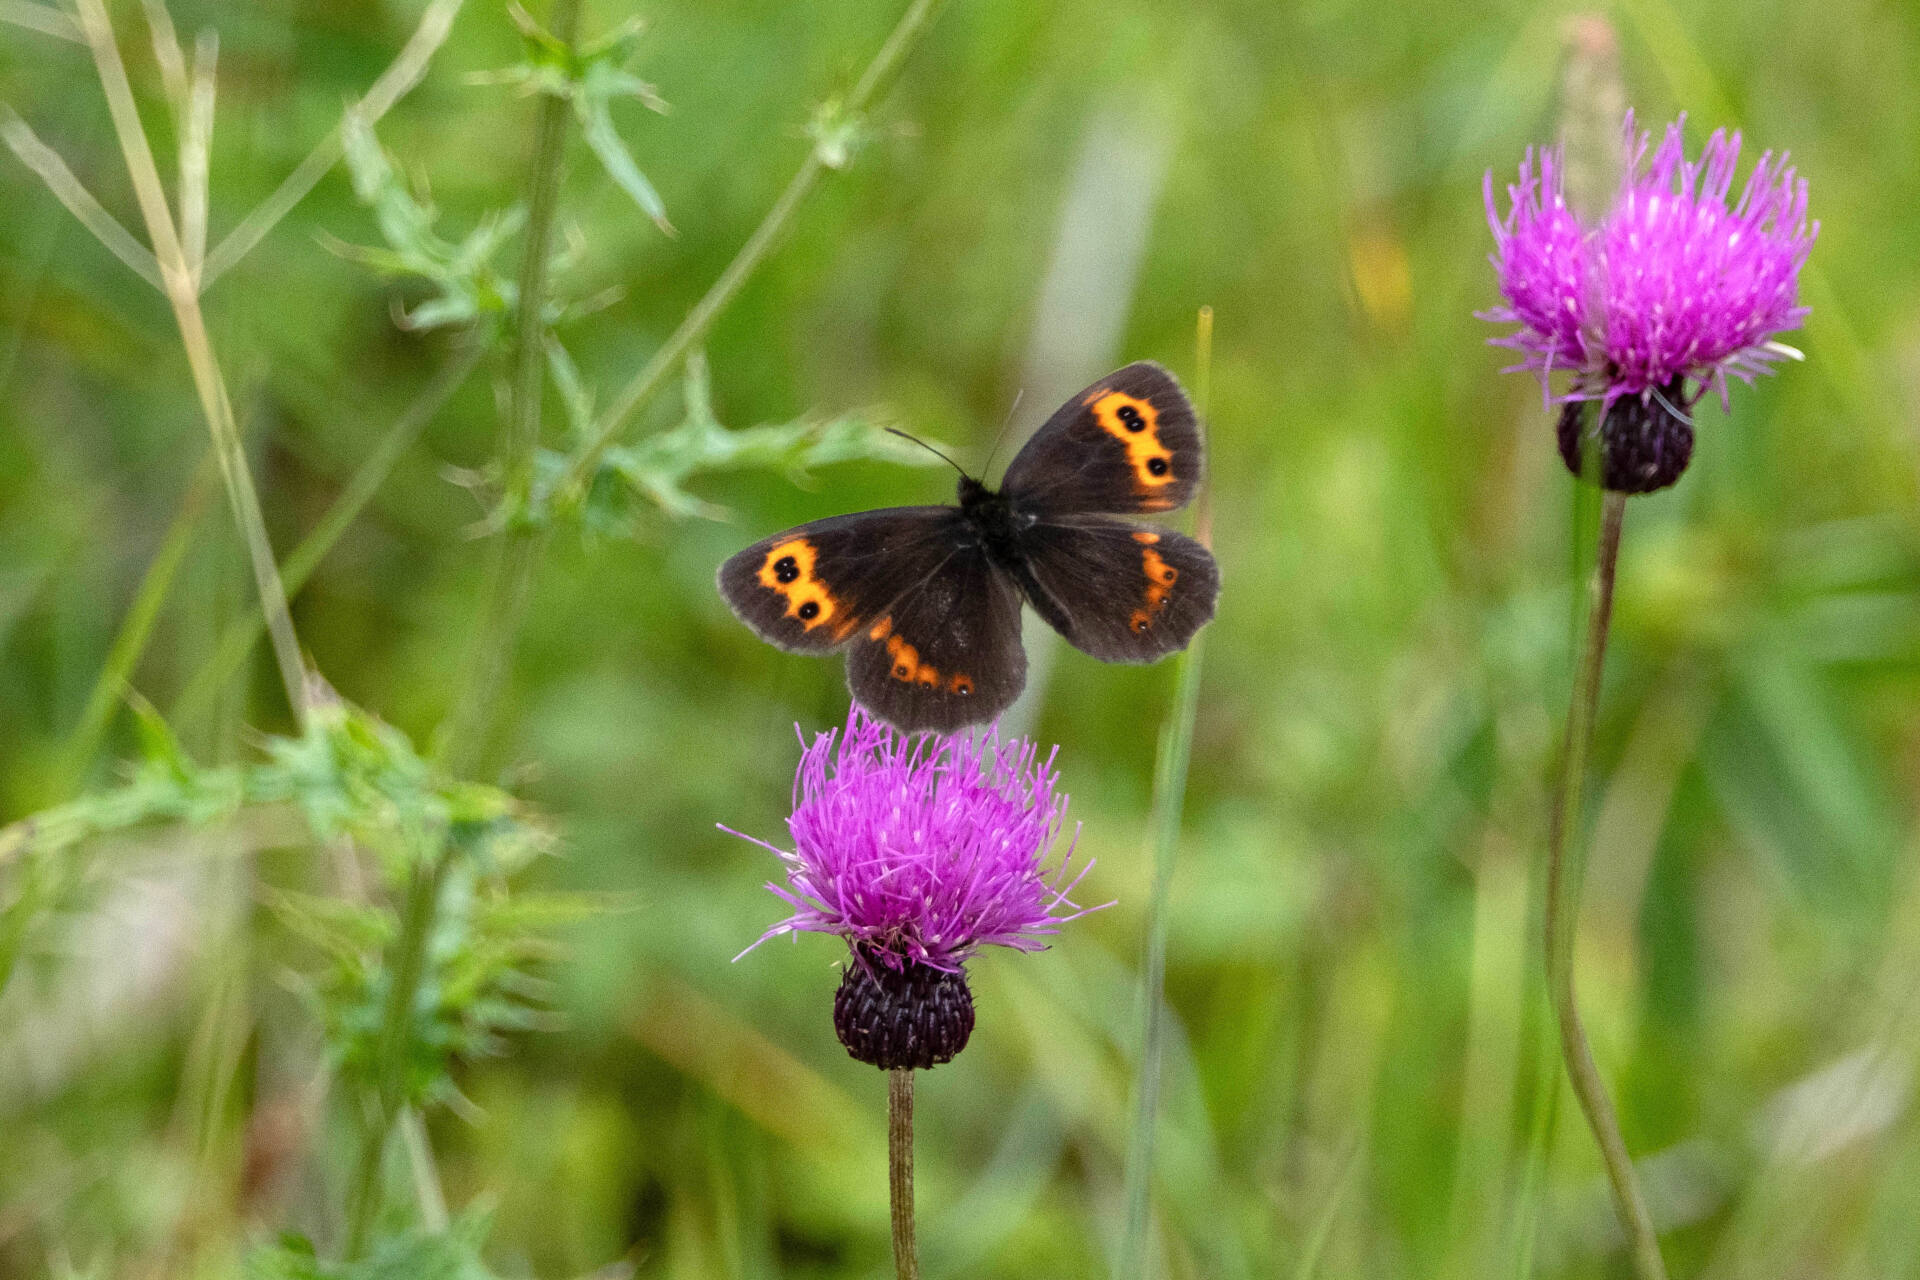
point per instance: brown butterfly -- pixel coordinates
(926, 600)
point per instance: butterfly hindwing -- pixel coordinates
(811, 589)
(1120, 591)
(1127, 444)
(947, 652)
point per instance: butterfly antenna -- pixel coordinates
(1001, 435)
(895, 431)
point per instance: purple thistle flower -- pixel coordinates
(1669, 292)
(919, 850)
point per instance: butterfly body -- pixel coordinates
(926, 600)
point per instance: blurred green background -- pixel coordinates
(1355, 1065)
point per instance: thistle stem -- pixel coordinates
(1563, 905)
(509, 580)
(510, 577)
(906, 1263)
(408, 962)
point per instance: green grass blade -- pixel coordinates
(1169, 805)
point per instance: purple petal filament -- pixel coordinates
(924, 847)
(1673, 284)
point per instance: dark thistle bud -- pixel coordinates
(912, 1016)
(1643, 442)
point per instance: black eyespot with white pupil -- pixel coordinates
(809, 611)
(1157, 465)
(1130, 418)
(786, 568)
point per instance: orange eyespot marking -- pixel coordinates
(907, 665)
(1160, 579)
(960, 684)
(788, 569)
(1135, 423)
(881, 629)
(1146, 539)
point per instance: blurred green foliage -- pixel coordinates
(1355, 1057)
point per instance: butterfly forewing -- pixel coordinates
(1120, 591)
(947, 652)
(926, 600)
(812, 589)
(1127, 444)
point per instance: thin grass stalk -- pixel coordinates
(645, 384)
(1564, 867)
(906, 1259)
(172, 61)
(510, 577)
(47, 165)
(136, 629)
(44, 18)
(1525, 1233)
(196, 148)
(1545, 1069)
(204, 1105)
(239, 637)
(427, 1192)
(1321, 1233)
(406, 71)
(1169, 797)
(183, 294)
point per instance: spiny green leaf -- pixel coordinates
(453, 1254)
(596, 123)
(653, 472)
(469, 286)
(159, 748)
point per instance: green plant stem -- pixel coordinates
(1563, 905)
(1169, 787)
(407, 962)
(239, 637)
(906, 1262)
(510, 576)
(1169, 797)
(508, 581)
(642, 387)
(182, 289)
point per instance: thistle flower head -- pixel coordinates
(924, 847)
(1668, 292)
(919, 850)
(1671, 283)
